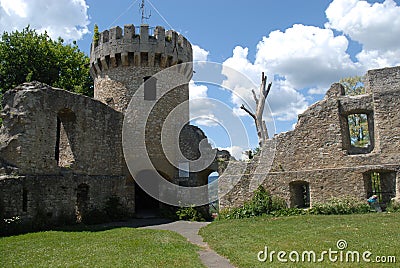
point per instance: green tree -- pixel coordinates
(358, 128)
(27, 56)
(358, 122)
(353, 85)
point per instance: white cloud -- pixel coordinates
(65, 18)
(199, 54)
(197, 91)
(201, 108)
(207, 120)
(285, 102)
(375, 26)
(373, 59)
(315, 91)
(237, 152)
(15, 7)
(307, 56)
(240, 62)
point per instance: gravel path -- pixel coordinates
(190, 230)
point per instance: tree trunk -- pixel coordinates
(260, 105)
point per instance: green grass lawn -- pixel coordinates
(120, 247)
(241, 240)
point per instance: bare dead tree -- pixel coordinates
(260, 104)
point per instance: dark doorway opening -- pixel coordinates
(82, 199)
(299, 194)
(147, 206)
(382, 184)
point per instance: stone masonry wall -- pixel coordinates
(54, 198)
(28, 136)
(318, 150)
(53, 142)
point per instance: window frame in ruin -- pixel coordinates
(65, 138)
(347, 138)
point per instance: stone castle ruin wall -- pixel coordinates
(52, 143)
(318, 154)
(61, 154)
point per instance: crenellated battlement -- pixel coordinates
(117, 47)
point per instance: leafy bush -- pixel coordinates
(189, 214)
(394, 206)
(262, 203)
(183, 213)
(336, 206)
(233, 213)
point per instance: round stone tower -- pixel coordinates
(122, 60)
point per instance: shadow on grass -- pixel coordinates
(130, 223)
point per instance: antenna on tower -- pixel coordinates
(142, 10)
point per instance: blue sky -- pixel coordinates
(303, 46)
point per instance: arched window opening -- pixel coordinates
(65, 138)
